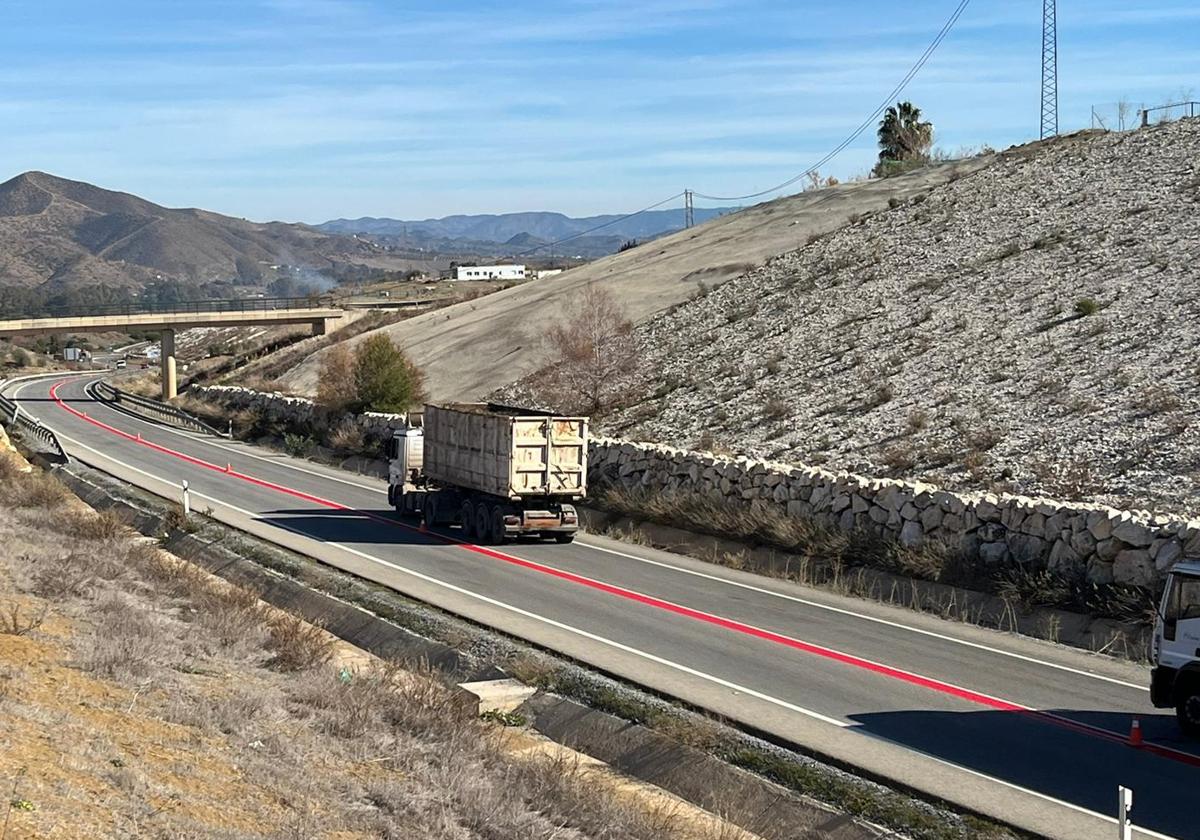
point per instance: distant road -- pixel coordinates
(1026, 732)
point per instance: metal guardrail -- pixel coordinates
(14, 417)
(182, 308)
(107, 392)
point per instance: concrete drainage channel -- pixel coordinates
(644, 736)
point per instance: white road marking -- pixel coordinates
(1138, 830)
(707, 576)
(203, 439)
(626, 649)
(484, 598)
(842, 611)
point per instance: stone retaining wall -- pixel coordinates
(1099, 543)
(294, 412)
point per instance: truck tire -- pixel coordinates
(483, 524)
(1187, 709)
(429, 511)
(391, 495)
(467, 515)
(497, 517)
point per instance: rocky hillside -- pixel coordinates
(60, 233)
(1032, 326)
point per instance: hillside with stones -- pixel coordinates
(1030, 327)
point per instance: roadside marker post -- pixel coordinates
(187, 500)
(1124, 809)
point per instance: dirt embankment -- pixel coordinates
(140, 697)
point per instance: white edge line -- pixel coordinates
(484, 598)
(204, 439)
(630, 650)
(704, 575)
(633, 651)
(864, 617)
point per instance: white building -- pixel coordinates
(490, 272)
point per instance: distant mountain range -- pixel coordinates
(57, 234)
(520, 231)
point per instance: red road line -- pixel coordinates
(930, 683)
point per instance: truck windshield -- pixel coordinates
(1183, 602)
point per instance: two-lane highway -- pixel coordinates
(1029, 733)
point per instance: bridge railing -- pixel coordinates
(182, 308)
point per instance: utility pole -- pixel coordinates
(1049, 68)
(689, 216)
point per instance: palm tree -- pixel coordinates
(903, 138)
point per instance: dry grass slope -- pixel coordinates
(140, 697)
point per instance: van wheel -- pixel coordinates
(1187, 710)
(564, 538)
(467, 515)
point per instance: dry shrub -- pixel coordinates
(231, 614)
(348, 436)
(174, 576)
(61, 577)
(125, 642)
(101, 527)
(11, 470)
(297, 645)
(335, 382)
(831, 550)
(35, 490)
(18, 620)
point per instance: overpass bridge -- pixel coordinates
(167, 320)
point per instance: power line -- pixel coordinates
(690, 194)
(609, 223)
(868, 122)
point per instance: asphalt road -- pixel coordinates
(1030, 733)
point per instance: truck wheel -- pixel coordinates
(483, 524)
(497, 526)
(468, 520)
(391, 495)
(564, 538)
(429, 511)
(1187, 710)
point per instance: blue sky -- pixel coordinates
(306, 110)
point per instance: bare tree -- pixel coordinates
(335, 383)
(596, 353)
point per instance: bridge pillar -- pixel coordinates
(170, 387)
(320, 327)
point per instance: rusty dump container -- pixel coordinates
(510, 453)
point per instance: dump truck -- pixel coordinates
(1175, 651)
(498, 472)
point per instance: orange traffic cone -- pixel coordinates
(421, 528)
(1135, 733)
(229, 468)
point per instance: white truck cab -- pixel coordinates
(1175, 681)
